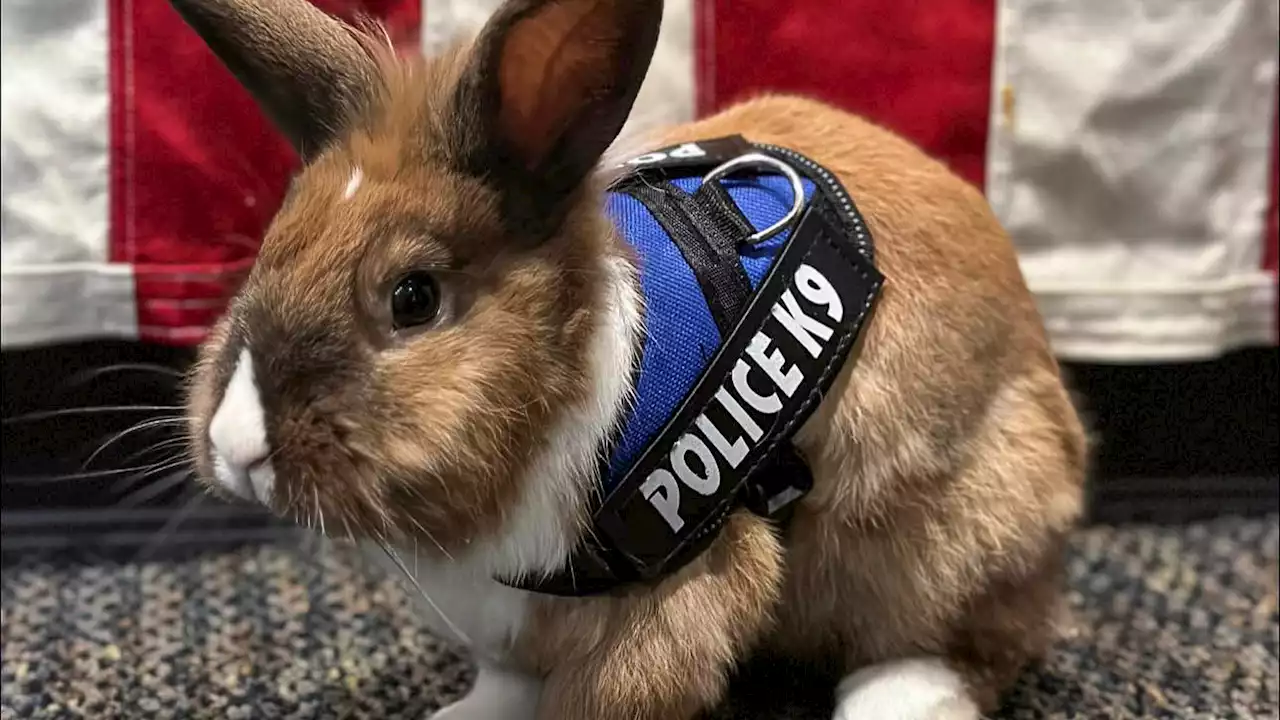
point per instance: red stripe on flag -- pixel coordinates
(921, 69)
(197, 172)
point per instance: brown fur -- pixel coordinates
(660, 653)
(947, 458)
(457, 419)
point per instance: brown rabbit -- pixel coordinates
(440, 333)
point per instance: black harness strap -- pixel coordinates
(706, 237)
(713, 195)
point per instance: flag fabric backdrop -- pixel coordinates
(1129, 148)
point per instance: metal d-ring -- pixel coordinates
(758, 160)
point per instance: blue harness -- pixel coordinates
(681, 334)
(756, 287)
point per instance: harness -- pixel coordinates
(758, 274)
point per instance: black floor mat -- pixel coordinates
(1169, 623)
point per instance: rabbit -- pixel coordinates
(439, 329)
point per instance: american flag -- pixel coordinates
(1129, 148)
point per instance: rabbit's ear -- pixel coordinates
(308, 71)
(551, 83)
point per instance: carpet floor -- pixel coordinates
(1169, 623)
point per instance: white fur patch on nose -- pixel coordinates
(238, 436)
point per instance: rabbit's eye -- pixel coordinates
(415, 300)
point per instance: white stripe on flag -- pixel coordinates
(1128, 157)
(55, 278)
(667, 96)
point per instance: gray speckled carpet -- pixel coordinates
(1170, 623)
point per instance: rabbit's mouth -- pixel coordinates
(314, 457)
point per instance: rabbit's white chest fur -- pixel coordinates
(462, 603)
(461, 599)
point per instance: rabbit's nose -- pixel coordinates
(238, 437)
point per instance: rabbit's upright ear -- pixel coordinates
(549, 86)
(308, 71)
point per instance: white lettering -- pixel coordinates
(688, 150)
(647, 158)
(701, 484)
(685, 151)
(663, 494)
(682, 153)
(817, 289)
(769, 404)
(772, 364)
(732, 452)
(739, 413)
(800, 325)
(662, 487)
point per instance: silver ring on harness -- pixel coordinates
(757, 160)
